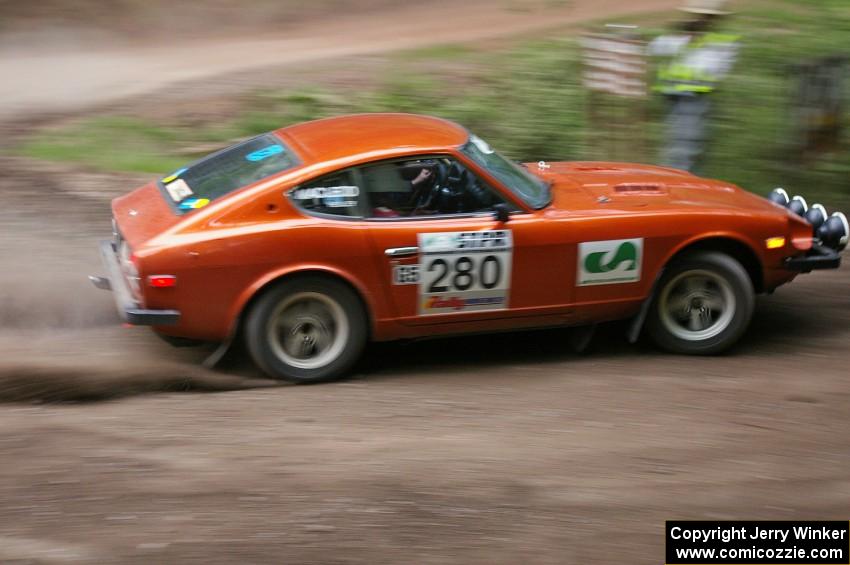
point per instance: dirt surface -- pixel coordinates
(117, 448)
(58, 76)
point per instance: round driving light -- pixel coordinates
(834, 232)
(798, 206)
(845, 230)
(816, 216)
(779, 196)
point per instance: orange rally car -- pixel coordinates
(312, 240)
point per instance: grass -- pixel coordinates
(753, 133)
(528, 101)
(109, 143)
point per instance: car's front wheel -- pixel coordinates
(703, 304)
(308, 329)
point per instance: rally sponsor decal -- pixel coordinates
(458, 304)
(174, 175)
(264, 153)
(332, 196)
(193, 203)
(406, 274)
(614, 261)
(178, 190)
(464, 271)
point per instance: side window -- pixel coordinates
(424, 187)
(336, 195)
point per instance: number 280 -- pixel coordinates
(461, 273)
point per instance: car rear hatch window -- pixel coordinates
(219, 174)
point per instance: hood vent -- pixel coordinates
(594, 168)
(639, 188)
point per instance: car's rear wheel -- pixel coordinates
(308, 329)
(703, 304)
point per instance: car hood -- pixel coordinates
(143, 214)
(589, 186)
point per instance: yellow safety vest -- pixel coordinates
(676, 77)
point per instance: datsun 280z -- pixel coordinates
(312, 240)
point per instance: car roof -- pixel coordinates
(372, 135)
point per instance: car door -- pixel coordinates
(444, 265)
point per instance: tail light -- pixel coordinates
(162, 281)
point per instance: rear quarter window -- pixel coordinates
(336, 194)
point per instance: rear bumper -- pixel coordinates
(818, 257)
(127, 306)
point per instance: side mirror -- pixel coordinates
(501, 213)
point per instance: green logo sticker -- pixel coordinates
(625, 252)
(609, 262)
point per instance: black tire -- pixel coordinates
(304, 308)
(703, 304)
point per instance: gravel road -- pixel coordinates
(116, 448)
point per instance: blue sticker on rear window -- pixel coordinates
(264, 153)
(194, 203)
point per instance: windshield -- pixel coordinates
(532, 190)
(221, 173)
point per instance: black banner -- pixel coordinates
(758, 543)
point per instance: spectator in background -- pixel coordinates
(695, 60)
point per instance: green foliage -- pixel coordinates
(528, 102)
(109, 143)
(443, 52)
(752, 131)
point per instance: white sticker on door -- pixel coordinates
(406, 274)
(609, 262)
(464, 271)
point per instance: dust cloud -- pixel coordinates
(55, 383)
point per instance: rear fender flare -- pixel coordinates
(244, 300)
